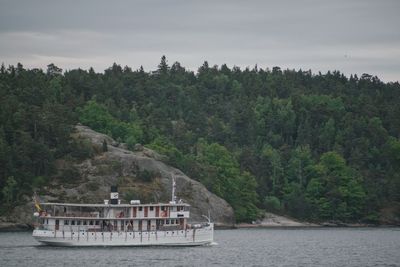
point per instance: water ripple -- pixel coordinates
(251, 247)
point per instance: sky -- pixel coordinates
(352, 36)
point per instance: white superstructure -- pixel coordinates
(116, 224)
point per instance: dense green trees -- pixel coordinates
(98, 118)
(335, 191)
(320, 147)
(221, 174)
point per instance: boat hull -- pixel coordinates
(192, 237)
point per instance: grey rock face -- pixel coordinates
(139, 175)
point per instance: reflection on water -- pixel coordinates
(244, 247)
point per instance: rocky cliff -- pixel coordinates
(139, 175)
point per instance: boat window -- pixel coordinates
(162, 208)
(84, 222)
(166, 221)
(78, 222)
(91, 223)
(176, 221)
(140, 208)
(97, 222)
(72, 222)
(151, 208)
(66, 222)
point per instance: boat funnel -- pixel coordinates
(114, 195)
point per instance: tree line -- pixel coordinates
(313, 146)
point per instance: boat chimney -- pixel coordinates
(114, 195)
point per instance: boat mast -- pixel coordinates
(173, 197)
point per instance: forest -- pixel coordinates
(315, 146)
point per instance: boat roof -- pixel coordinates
(112, 205)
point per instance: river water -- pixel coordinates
(242, 247)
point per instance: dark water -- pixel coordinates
(245, 247)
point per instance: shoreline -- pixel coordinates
(272, 220)
(14, 227)
(269, 221)
(315, 226)
(17, 227)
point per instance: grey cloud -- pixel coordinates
(352, 36)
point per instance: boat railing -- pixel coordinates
(98, 216)
(79, 214)
(171, 228)
(199, 225)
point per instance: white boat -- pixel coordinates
(114, 224)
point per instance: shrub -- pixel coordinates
(147, 176)
(272, 204)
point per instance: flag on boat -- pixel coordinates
(37, 203)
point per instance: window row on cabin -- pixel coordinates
(178, 208)
(79, 222)
(172, 221)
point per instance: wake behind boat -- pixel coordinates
(114, 224)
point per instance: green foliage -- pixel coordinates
(336, 192)
(39, 181)
(272, 204)
(300, 166)
(105, 146)
(92, 186)
(272, 157)
(221, 174)
(97, 117)
(147, 176)
(81, 149)
(130, 195)
(70, 175)
(165, 147)
(9, 191)
(295, 201)
(325, 145)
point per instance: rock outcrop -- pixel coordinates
(272, 220)
(139, 175)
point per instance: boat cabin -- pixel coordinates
(112, 216)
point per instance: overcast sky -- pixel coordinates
(351, 36)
